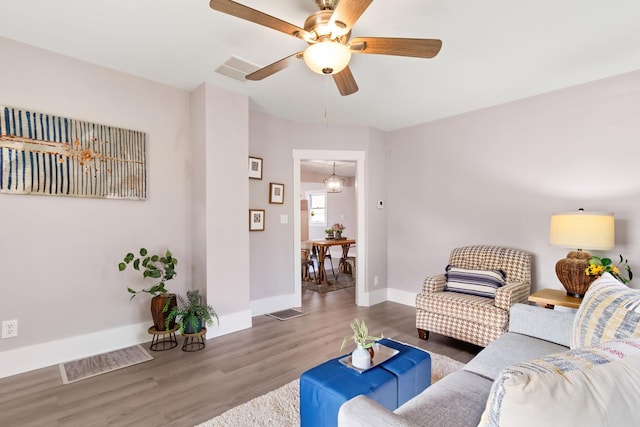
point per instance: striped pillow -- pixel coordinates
(604, 380)
(474, 282)
(609, 311)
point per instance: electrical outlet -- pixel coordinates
(9, 328)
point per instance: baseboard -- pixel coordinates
(401, 297)
(51, 353)
(373, 298)
(272, 304)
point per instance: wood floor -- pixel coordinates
(184, 389)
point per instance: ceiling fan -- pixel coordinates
(328, 33)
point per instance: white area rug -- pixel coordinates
(88, 367)
(280, 407)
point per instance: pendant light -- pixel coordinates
(333, 184)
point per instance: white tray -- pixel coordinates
(381, 353)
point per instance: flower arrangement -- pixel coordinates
(599, 266)
(337, 227)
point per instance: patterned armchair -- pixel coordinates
(472, 318)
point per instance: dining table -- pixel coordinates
(322, 247)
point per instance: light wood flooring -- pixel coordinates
(184, 389)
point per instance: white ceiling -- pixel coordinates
(342, 168)
(493, 51)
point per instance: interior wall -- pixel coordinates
(220, 186)
(274, 139)
(59, 272)
(496, 175)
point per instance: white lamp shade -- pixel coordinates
(327, 57)
(582, 230)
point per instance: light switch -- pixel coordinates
(284, 219)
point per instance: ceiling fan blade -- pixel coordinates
(273, 68)
(346, 83)
(348, 12)
(244, 12)
(419, 48)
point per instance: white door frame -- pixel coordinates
(359, 158)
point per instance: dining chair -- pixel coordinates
(314, 255)
(306, 264)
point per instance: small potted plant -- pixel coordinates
(192, 313)
(162, 267)
(329, 232)
(362, 356)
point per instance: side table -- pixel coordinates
(194, 342)
(549, 298)
(163, 340)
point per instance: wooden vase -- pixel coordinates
(159, 317)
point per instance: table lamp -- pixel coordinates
(579, 230)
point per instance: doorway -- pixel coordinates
(358, 157)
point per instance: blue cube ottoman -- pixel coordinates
(326, 387)
(411, 367)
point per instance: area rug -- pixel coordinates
(323, 288)
(280, 407)
(88, 367)
(287, 314)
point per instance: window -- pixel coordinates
(317, 208)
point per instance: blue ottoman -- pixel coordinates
(326, 387)
(412, 368)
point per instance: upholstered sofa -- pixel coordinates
(490, 280)
(530, 377)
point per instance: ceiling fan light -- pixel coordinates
(328, 57)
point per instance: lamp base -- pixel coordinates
(571, 273)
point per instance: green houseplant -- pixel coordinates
(360, 335)
(362, 356)
(162, 267)
(192, 313)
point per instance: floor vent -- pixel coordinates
(287, 314)
(236, 68)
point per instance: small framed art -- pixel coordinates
(255, 167)
(276, 193)
(256, 219)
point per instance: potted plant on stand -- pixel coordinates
(362, 356)
(160, 267)
(191, 314)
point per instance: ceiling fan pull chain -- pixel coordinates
(326, 102)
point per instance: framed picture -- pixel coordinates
(255, 167)
(276, 193)
(256, 219)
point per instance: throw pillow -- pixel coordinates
(590, 386)
(475, 282)
(609, 310)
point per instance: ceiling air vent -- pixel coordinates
(236, 68)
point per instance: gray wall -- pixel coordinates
(496, 175)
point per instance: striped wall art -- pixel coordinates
(56, 156)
